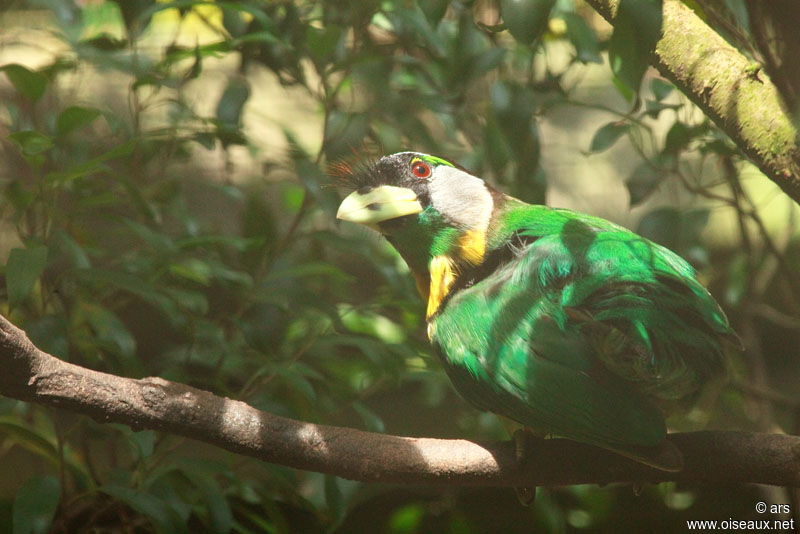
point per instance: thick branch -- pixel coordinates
(32, 375)
(743, 103)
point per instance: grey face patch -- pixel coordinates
(461, 198)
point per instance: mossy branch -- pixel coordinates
(739, 97)
(32, 375)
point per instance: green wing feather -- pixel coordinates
(586, 332)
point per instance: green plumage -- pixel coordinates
(586, 331)
(566, 323)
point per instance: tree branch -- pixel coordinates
(742, 101)
(30, 374)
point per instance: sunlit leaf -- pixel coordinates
(406, 520)
(193, 269)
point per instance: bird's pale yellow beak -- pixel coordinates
(379, 204)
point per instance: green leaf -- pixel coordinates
(191, 301)
(35, 505)
(676, 229)
(322, 42)
(229, 112)
(526, 20)
(23, 269)
(160, 242)
(197, 67)
(372, 421)
(313, 178)
(653, 108)
(661, 88)
(64, 246)
(205, 139)
(234, 21)
(583, 38)
(434, 10)
(514, 106)
(192, 269)
(143, 442)
(497, 150)
(678, 137)
(642, 182)
(75, 117)
(104, 42)
(608, 134)
(333, 496)
(50, 333)
(220, 515)
(739, 277)
(109, 329)
(136, 286)
(637, 29)
(92, 165)
(231, 103)
(145, 503)
(344, 132)
(31, 143)
(29, 438)
(18, 195)
(297, 382)
(406, 520)
(30, 84)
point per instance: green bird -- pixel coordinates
(566, 323)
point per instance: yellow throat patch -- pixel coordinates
(470, 247)
(443, 274)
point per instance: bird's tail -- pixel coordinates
(664, 456)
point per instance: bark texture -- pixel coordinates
(739, 98)
(32, 375)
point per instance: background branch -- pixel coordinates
(739, 98)
(35, 376)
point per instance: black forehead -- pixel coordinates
(389, 170)
(393, 168)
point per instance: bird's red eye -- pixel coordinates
(420, 169)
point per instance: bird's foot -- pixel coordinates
(526, 495)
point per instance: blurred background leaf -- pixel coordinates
(167, 211)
